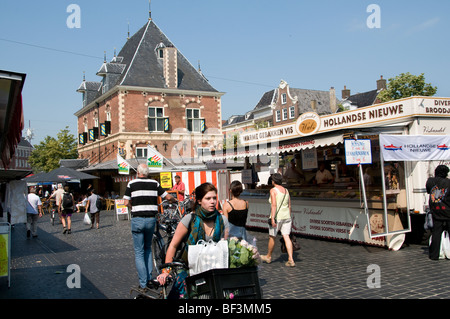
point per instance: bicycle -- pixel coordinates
(158, 291)
(176, 211)
(166, 225)
(53, 213)
(161, 239)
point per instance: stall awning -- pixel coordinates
(276, 148)
(311, 142)
(11, 113)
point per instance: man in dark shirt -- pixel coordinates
(141, 197)
(439, 189)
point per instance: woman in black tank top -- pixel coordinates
(237, 218)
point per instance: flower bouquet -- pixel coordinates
(242, 254)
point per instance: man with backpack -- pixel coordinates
(65, 209)
(94, 206)
(439, 203)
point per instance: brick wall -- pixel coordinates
(129, 124)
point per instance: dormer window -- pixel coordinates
(160, 50)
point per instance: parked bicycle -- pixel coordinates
(176, 210)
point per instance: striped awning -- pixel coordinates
(276, 148)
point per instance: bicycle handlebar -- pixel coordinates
(174, 264)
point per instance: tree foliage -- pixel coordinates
(406, 85)
(46, 156)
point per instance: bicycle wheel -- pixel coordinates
(158, 253)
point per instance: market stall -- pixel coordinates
(191, 179)
(341, 186)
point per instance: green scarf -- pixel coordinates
(196, 231)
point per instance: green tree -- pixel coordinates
(46, 156)
(406, 85)
(231, 141)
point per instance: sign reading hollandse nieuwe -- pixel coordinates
(311, 123)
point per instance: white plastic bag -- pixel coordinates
(445, 244)
(207, 255)
(87, 219)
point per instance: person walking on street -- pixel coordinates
(236, 210)
(65, 209)
(57, 195)
(141, 197)
(34, 211)
(280, 214)
(439, 203)
(91, 206)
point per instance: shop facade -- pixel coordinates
(367, 199)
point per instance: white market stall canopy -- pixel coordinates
(311, 130)
(275, 148)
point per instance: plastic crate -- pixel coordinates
(225, 283)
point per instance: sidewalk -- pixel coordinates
(324, 269)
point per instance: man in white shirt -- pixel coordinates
(34, 211)
(323, 175)
(58, 195)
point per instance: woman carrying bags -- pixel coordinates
(280, 215)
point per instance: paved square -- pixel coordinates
(324, 269)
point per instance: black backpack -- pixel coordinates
(67, 201)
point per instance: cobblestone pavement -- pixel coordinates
(324, 269)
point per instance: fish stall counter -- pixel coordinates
(333, 212)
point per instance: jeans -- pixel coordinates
(142, 229)
(32, 220)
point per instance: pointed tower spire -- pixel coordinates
(149, 9)
(199, 68)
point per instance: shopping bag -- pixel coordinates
(295, 244)
(428, 225)
(87, 219)
(445, 244)
(207, 255)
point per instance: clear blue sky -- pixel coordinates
(244, 47)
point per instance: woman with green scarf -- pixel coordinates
(204, 223)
